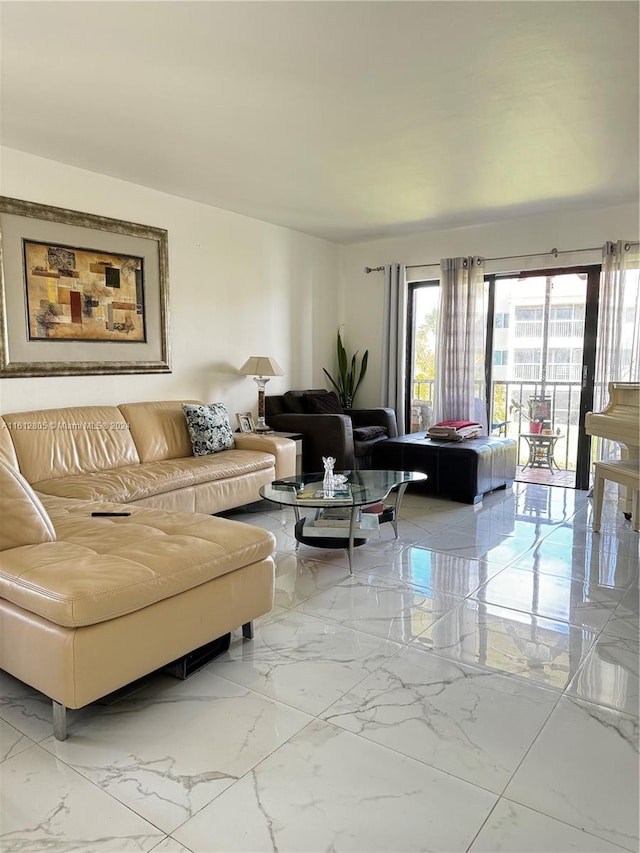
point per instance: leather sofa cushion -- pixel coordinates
(7, 450)
(61, 442)
(135, 482)
(23, 519)
(294, 401)
(368, 433)
(102, 568)
(323, 404)
(159, 429)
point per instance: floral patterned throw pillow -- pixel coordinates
(209, 428)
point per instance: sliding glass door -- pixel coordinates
(540, 361)
(424, 301)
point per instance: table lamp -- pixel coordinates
(262, 368)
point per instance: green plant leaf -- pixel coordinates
(342, 356)
(345, 382)
(332, 381)
(363, 370)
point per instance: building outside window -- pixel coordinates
(566, 321)
(527, 363)
(528, 321)
(564, 364)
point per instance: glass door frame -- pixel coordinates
(412, 287)
(592, 271)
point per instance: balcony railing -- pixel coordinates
(557, 329)
(564, 372)
(565, 412)
(555, 372)
(527, 371)
(528, 329)
(566, 329)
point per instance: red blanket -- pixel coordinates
(457, 424)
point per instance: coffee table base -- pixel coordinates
(346, 542)
(324, 541)
(351, 526)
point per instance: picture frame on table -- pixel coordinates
(81, 294)
(245, 422)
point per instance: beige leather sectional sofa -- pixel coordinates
(89, 604)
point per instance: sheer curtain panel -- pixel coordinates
(394, 342)
(618, 337)
(460, 382)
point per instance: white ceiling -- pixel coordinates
(346, 120)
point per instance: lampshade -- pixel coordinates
(261, 365)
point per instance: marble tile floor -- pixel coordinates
(472, 687)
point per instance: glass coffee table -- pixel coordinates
(340, 521)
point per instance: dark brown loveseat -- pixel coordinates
(329, 430)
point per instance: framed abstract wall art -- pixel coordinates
(80, 294)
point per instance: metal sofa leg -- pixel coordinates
(247, 630)
(59, 721)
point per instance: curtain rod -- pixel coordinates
(554, 252)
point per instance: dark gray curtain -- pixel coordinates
(394, 342)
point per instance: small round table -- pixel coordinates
(541, 450)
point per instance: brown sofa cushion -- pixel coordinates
(323, 404)
(368, 433)
(295, 402)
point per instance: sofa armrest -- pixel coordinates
(284, 450)
(324, 435)
(380, 416)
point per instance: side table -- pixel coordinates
(541, 450)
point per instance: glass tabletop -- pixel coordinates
(361, 488)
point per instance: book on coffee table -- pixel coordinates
(334, 517)
(313, 494)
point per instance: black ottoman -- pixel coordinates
(461, 470)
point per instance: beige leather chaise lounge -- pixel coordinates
(89, 604)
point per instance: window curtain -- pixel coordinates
(394, 342)
(460, 380)
(618, 337)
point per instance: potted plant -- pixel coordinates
(533, 410)
(346, 383)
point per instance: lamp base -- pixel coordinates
(261, 426)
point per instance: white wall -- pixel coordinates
(567, 230)
(238, 287)
(241, 287)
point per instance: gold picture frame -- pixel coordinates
(80, 294)
(245, 421)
